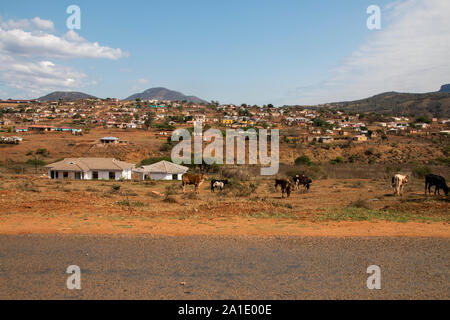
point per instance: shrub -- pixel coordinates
(170, 190)
(421, 171)
(237, 174)
(165, 147)
(360, 203)
(43, 152)
(35, 162)
(149, 161)
(115, 187)
(305, 160)
(170, 199)
(445, 161)
(338, 160)
(27, 186)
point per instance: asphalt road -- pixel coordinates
(200, 267)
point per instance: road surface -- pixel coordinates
(212, 267)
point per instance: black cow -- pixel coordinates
(218, 184)
(286, 187)
(437, 181)
(304, 180)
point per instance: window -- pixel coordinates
(65, 175)
(95, 175)
(77, 175)
(112, 175)
(174, 177)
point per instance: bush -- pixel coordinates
(149, 161)
(360, 203)
(305, 160)
(170, 190)
(445, 161)
(43, 152)
(27, 186)
(170, 199)
(115, 187)
(165, 147)
(338, 160)
(35, 162)
(421, 171)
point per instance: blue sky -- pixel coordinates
(280, 52)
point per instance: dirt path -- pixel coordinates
(26, 224)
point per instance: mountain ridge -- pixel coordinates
(66, 96)
(161, 93)
(431, 104)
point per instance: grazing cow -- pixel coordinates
(437, 181)
(195, 179)
(398, 182)
(286, 187)
(218, 184)
(304, 180)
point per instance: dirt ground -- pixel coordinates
(333, 207)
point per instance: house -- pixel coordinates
(90, 169)
(41, 128)
(108, 140)
(326, 139)
(162, 170)
(360, 138)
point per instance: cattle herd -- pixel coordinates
(287, 185)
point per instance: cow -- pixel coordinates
(218, 184)
(398, 182)
(195, 179)
(286, 187)
(304, 180)
(437, 181)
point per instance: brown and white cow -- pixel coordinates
(398, 182)
(195, 179)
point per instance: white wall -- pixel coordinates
(160, 176)
(102, 175)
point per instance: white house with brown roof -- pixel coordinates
(90, 169)
(162, 170)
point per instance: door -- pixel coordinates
(112, 175)
(95, 175)
(52, 174)
(77, 175)
(174, 177)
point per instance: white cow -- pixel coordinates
(398, 182)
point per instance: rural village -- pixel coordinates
(347, 159)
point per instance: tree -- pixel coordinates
(149, 120)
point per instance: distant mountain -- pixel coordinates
(164, 94)
(445, 88)
(66, 96)
(433, 104)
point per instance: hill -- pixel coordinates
(66, 96)
(433, 104)
(164, 94)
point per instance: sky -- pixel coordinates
(236, 51)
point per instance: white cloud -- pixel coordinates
(410, 54)
(38, 77)
(26, 43)
(28, 24)
(73, 36)
(27, 50)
